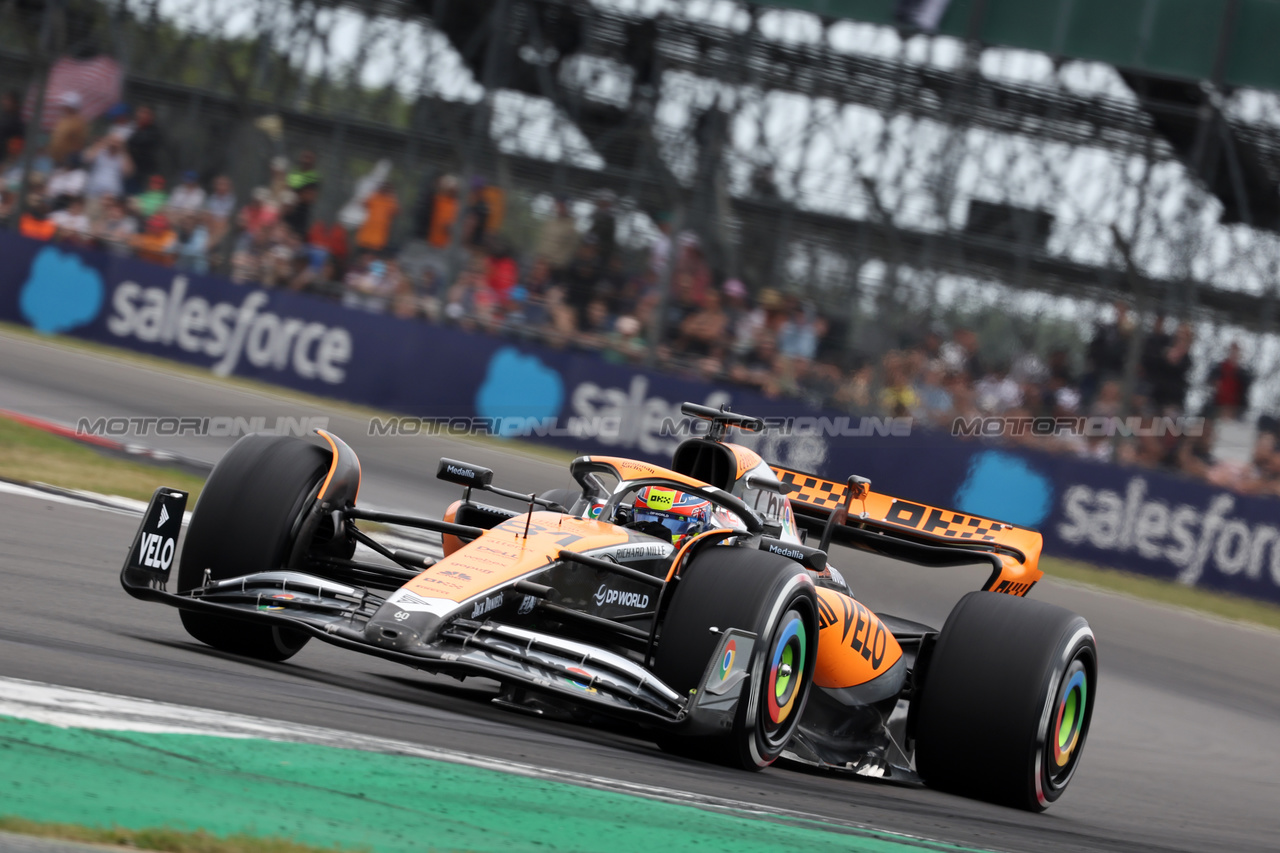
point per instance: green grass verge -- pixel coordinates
(1166, 592)
(31, 454)
(166, 840)
(326, 796)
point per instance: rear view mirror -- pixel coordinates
(464, 474)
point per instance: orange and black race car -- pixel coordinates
(695, 601)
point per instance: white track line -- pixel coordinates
(91, 500)
(405, 538)
(69, 707)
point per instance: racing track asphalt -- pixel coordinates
(1182, 755)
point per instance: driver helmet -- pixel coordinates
(682, 514)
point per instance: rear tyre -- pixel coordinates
(754, 591)
(1007, 700)
(246, 521)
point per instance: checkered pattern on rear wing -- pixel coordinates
(1020, 546)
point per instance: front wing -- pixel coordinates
(339, 614)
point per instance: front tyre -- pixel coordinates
(1006, 703)
(246, 521)
(770, 596)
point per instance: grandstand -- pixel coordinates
(1171, 104)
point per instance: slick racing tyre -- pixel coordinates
(245, 522)
(775, 599)
(1007, 700)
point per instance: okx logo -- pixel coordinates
(61, 293)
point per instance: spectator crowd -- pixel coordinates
(446, 259)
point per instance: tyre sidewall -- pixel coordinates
(788, 595)
(1077, 642)
(989, 696)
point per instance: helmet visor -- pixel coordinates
(678, 525)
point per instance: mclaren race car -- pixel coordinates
(695, 602)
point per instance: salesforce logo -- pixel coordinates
(229, 332)
(640, 414)
(1003, 486)
(527, 396)
(1191, 538)
(518, 387)
(61, 293)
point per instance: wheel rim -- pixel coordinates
(787, 676)
(1066, 734)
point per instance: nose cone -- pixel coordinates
(400, 626)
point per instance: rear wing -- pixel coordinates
(851, 514)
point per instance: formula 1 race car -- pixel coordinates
(696, 601)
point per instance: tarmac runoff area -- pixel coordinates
(1181, 756)
(76, 756)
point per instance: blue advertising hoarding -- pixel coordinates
(1145, 521)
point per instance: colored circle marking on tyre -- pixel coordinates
(1070, 718)
(726, 662)
(784, 680)
(585, 684)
